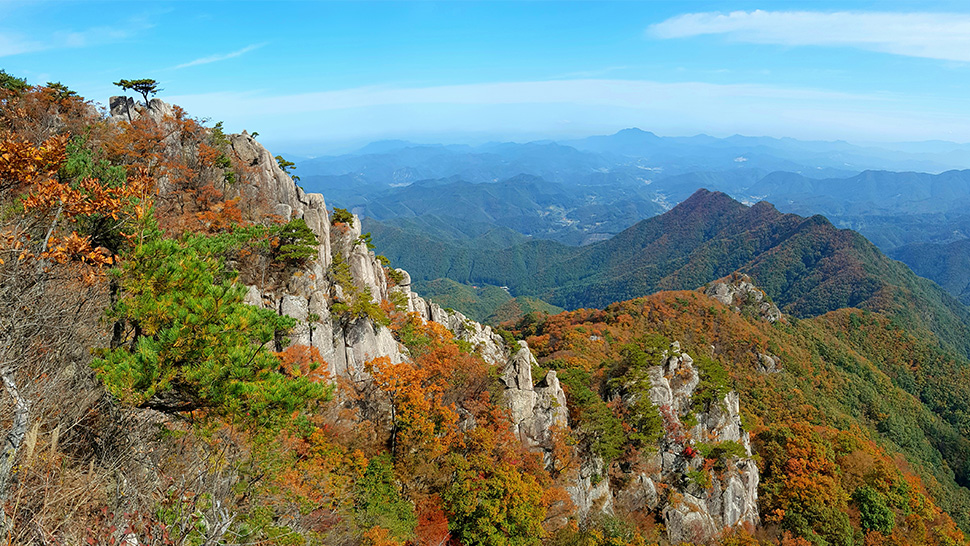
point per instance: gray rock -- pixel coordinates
(738, 292)
(127, 108)
(689, 521)
(297, 307)
(701, 511)
(768, 363)
(588, 497)
(640, 494)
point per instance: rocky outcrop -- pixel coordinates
(270, 183)
(699, 502)
(482, 338)
(589, 489)
(768, 363)
(127, 108)
(536, 409)
(365, 269)
(310, 293)
(738, 292)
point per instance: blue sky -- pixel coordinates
(314, 77)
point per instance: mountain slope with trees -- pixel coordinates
(807, 265)
(197, 351)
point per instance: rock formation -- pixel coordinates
(738, 292)
(127, 108)
(699, 502)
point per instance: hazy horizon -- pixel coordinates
(324, 77)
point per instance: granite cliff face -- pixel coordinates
(692, 510)
(712, 500)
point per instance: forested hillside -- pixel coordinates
(807, 265)
(196, 351)
(852, 436)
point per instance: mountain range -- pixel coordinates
(199, 351)
(806, 264)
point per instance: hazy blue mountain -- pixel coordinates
(889, 231)
(501, 194)
(767, 151)
(867, 193)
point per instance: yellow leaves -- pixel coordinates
(379, 536)
(76, 248)
(22, 164)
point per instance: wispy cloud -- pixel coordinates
(15, 44)
(12, 43)
(943, 36)
(217, 58)
(583, 74)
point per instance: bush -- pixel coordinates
(875, 514)
(341, 216)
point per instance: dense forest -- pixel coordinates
(197, 352)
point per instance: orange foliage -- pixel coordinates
(432, 528)
(23, 164)
(379, 536)
(303, 361)
(39, 113)
(194, 191)
(55, 204)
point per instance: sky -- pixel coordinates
(324, 77)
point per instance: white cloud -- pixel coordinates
(943, 36)
(217, 58)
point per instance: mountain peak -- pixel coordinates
(708, 201)
(635, 132)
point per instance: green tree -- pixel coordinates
(341, 216)
(12, 83)
(875, 513)
(144, 86)
(185, 340)
(61, 91)
(379, 501)
(297, 242)
(287, 167)
(495, 505)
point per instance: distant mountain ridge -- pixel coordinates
(806, 264)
